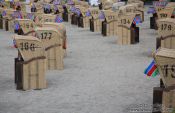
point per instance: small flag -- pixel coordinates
(70, 2)
(2, 1)
(14, 43)
(72, 9)
(12, 2)
(55, 8)
(30, 16)
(101, 15)
(58, 19)
(88, 13)
(56, 2)
(4, 13)
(17, 14)
(17, 26)
(151, 10)
(17, 4)
(77, 11)
(137, 20)
(160, 3)
(33, 5)
(47, 6)
(98, 1)
(151, 70)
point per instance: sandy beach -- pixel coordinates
(99, 76)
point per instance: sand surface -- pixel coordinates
(99, 76)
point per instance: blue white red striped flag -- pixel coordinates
(151, 70)
(30, 16)
(160, 3)
(55, 7)
(17, 14)
(58, 19)
(2, 1)
(101, 15)
(151, 10)
(33, 5)
(72, 9)
(16, 26)
(14, 43)
(137, 20)
(17, 3)
(70, 2)
(88, 13)
(12, 1)
(4, 13)
(56, 2)
(77, 11)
